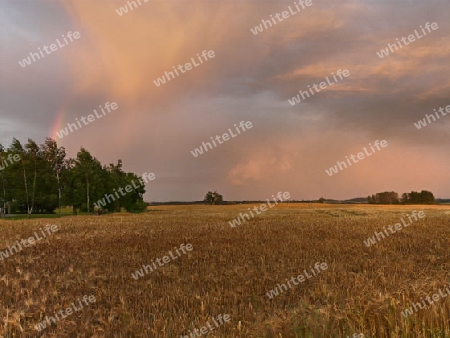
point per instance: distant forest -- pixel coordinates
(391, 197)
(40, 179)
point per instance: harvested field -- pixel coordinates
(230, 271)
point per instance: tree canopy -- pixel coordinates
(414, 197)
(391, 197)
(40, 178)
(213, 197)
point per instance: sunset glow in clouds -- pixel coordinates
(250, 78)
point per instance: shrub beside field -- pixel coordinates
(229, 271)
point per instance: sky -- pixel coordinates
(118, 58)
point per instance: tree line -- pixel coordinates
(40, 179)
(391, 197)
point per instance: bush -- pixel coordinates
(136, 207)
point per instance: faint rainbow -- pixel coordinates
(58, 123)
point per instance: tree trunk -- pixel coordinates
(87, 191)
(26, 191)
(4, 194)
(33, 198)
(59, 192)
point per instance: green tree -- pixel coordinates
(22, 197)
(387, 197)
(42, 179)
(414, 197)
(33, 154)
(134, 200)
(55, 158)
(87, 180)
(213, 198)
(117, 179)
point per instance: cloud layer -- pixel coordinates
(251, 78)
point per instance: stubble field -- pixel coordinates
(230, 271)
